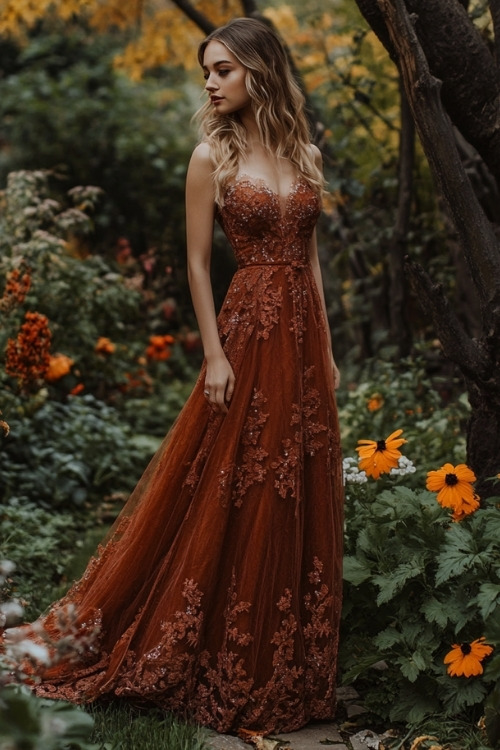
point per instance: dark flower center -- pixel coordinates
(465, 649)
(381, 445)
(451, 479)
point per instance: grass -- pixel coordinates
(122, 726)
(451, 734)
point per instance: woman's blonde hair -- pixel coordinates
(277, 100)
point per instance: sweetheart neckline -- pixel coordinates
(261, 181)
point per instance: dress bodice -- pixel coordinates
(264, 228)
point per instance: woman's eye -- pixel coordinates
(223, 73)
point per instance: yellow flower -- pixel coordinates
(454, 487)
(465, 659)
(379, 457)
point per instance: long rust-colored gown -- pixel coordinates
(218, 590)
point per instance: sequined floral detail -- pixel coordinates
(321, 639)
(285, 468)
(305, 414)
(251, 469)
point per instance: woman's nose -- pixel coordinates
(210, 85)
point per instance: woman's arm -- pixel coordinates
(200, 207)
(316, 268)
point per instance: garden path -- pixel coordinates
(315, 736)
(311, 737)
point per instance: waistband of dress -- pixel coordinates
(279, 263)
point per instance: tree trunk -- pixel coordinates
(459, 57)
(398, 302)
(478, 359)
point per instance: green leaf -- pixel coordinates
(459, 554)
(355, 571)
(409, 667)
(387, 638)
(487, 599)
(394, 581)
(459, 692)
(433, 611)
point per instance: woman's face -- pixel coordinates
(225, 79)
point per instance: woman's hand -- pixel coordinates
(219, 382)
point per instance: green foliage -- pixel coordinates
(65, 450)
(40, 543)
(32, 724)
(76, 113)
(415, 582)
(415, 585)
(389, 396)
(67, 454)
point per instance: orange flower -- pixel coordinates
(104, 346)
(4, 427)
(59, 366)
(159, 347)
(379, 457)
(79, 387)
(138, 379)
(375, 402)
(27, 356)
(17, 286)
(465, 659)
(454, 487)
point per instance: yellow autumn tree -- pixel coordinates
(161, 31)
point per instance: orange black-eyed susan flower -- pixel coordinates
(375, 402)
(464, 659)
(159, 347)
(453, 485)
(28, 355)
(104, 346)
(378, 457)
(59, 366)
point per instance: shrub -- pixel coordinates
(63, 455)
(415, 584)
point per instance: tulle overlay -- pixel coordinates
(217, 592)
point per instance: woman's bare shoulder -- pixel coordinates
(316, 155)
(202, 157)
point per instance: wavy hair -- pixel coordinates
(277, 101)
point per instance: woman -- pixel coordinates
(217, 593)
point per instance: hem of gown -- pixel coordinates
(51, 692)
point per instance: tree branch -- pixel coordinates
(476, 235)
(495, 17)
(457, 345)
(459, 57)
(195, 16)
(249, 8)
(400, 329)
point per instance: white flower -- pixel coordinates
(7, 567)
(405, 466)
(22, 649)
(10, 612)
(351, 472)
